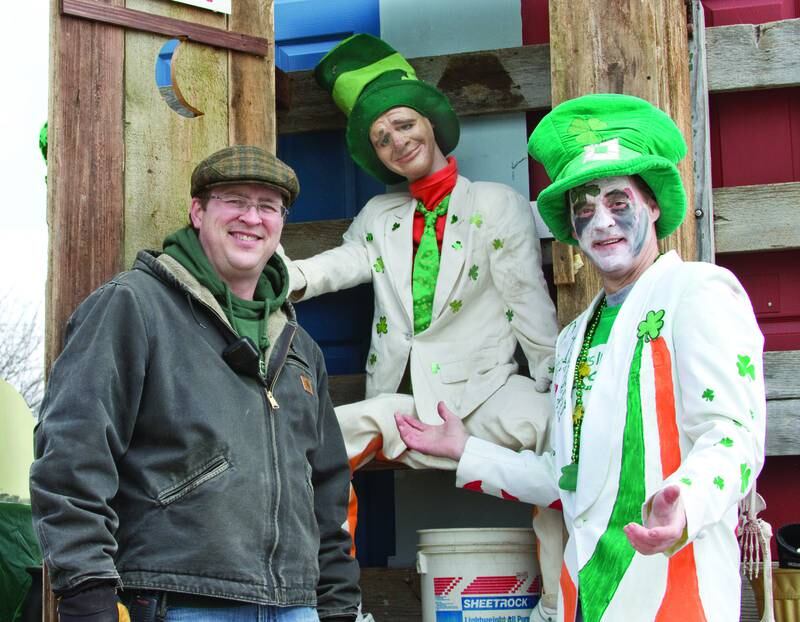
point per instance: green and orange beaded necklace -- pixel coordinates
(569, 473)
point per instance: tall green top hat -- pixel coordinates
(607, 135)
(366, 77)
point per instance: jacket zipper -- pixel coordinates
(262, 369)
(270, 389)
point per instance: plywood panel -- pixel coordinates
(162, 148)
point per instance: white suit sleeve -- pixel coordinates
(342, 267)
(721, 407)
(501, 472)
(516, 266)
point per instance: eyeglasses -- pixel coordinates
(265, 209)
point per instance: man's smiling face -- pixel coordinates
(239, 242)
(613, 220)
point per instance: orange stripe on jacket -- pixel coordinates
(569, 595)
(682, 597)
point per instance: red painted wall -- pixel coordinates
(755, 139)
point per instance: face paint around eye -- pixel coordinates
(611, 225)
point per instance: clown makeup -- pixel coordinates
(613, 222)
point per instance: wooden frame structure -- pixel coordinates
(101, 208)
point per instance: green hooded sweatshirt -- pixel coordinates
(248, 317)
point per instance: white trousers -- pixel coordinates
(514, 416)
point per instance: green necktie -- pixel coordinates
(426, 266)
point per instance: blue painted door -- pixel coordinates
(332, 187)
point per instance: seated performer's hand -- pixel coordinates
(664, 526)
(446, 440)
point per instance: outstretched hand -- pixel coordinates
(664, 526)
(446, 440)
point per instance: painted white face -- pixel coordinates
(239, 243)
(613, 222)
(404, 142)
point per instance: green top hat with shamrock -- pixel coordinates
(366, 77)
(608, 135)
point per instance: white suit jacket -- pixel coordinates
(490, 294)
(678, 399)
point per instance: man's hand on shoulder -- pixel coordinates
(664, 526)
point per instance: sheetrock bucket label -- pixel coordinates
(506, 598)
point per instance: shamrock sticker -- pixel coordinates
(719, 482)
(395, 226)
(651, 326)
(456, 305)
(382, 327)
(369, 237)
(509, 314)
(745, 367)
(686, 481)
(708, 395)
(585, 130)
(435, 368)
(746, 473)
(373, 358)
(457, 245)
(378, 265)
(453, 219)
(497, 244)
(477, 220)
(726, 442)
(473, 272)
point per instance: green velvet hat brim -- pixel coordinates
(659, 174)
(422, 97)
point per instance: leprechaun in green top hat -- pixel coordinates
(455, 267)
(658, 390)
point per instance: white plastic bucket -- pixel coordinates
(478, 575)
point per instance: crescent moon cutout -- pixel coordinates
(167, 84)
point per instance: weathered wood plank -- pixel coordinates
(305, 239)
(162, 25)
(751, 218)
(753, 56)
(301, 240)
(651, 62)
(739, 57)
(781, 371)
(252, 116)
(783, 427)
(505, 80)
(701, 143)
(392, 594)
(84, 173)
(85, 156)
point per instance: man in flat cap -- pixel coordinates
(187, 449)
(658, 386)
(456, 270)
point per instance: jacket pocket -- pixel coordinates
(466, 368)
(208, 471)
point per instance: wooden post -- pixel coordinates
(119, 159)
(634, 47)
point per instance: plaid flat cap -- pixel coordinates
(245, 164)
